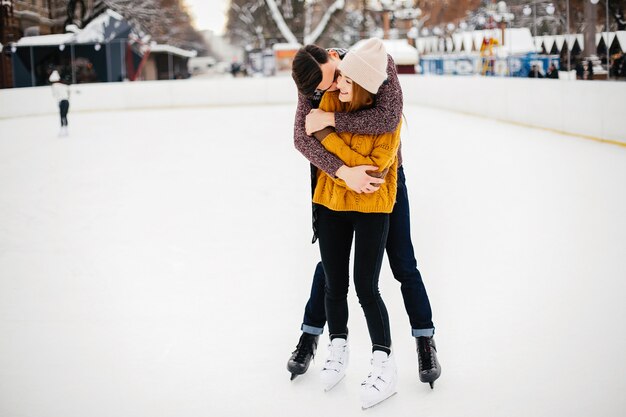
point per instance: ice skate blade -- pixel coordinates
(429, 381)
(366, 407)
(293, 376)
(333, 385)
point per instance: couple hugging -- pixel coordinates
(347, 125)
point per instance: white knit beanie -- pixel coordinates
(367, 65)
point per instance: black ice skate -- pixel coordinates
(429, 367)
(301, 357)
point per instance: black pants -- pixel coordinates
(336, 230)
(403, 265)
(64, 107)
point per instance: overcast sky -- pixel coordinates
(208, 14)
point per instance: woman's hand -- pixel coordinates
(317, 120)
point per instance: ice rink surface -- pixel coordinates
(156, 263)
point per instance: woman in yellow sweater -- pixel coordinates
(344, 214)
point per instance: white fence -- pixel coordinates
(589, 108)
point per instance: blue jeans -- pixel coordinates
(403, 265)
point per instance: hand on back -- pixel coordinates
(359, 179)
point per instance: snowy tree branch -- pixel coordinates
(280, 22)
(312, 37)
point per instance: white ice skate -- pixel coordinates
(335, 366)
(63, 132)
(381, 382)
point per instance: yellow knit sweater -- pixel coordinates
(358, 149)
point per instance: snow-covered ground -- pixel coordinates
(156, 263)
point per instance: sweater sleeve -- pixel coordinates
(383, 154)
(308, 145)
(384, 116)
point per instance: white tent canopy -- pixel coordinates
(548, 42)
(570, 40)
(517, 41)
(621, 38)
(538, 41)
(46, 40)
(603, 35)
(399, 49)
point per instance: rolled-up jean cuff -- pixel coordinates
(312, 330)
(423, 332)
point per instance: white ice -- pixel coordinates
(157, 263)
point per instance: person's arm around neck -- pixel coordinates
(384, 116)
(308, 145)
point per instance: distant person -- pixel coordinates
(580, 71)
(61, 93)
(235, 68)
(589, 70)
(553, 72)
(621, 71)
(617, 67)
(534, 72)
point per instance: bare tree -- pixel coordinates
(145, 13)
(166, 21)
(258, 23)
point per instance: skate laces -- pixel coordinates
(335, 358)
(425, 352)
(304, 348)
(372, 379)
(377, 375)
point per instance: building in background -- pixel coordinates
(19, 18)
(107, 49)
(41, 34)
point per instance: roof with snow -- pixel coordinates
(286, 46)
(105, 28)
(172, 50)
(45, 40)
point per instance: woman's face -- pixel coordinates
(345, 88)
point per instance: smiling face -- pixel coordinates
(345, 86)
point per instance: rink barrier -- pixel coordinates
(121, 96)
(590, 109)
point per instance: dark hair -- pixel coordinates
(306, 71)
